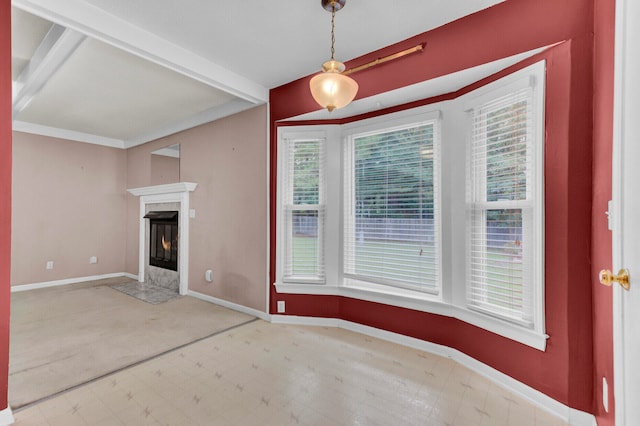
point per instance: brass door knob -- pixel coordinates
(607, 278)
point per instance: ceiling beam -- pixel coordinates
(54, 50)
(95, 22)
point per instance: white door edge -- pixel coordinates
(622, 53)
(615, 215)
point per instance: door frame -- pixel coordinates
(619, 104)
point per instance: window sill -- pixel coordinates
(424, 303)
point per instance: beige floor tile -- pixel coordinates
(266, 374)
(52, 351)
(30, 417)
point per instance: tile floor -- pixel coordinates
(69, 335)
(269, 374)
(146, 292)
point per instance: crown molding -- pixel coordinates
(55, 132)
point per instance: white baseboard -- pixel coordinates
(567, 414)
(45, 284)
(132, 276)
(230, 305)
(6, 417)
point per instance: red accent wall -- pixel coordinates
(5, 195)
(604, 31)
(575, 127)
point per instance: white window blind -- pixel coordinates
(391, 224)
(303, 209)
(502, 209)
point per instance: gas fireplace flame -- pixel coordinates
(166, 244)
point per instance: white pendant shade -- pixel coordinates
(332, 89)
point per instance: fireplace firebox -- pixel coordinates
(163, 239)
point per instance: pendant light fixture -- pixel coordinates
(332, 89)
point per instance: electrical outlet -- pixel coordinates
(50, 264)
(93, 259)
(280, 306)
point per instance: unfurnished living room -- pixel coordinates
(320, 212)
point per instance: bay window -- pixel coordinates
(437, 208)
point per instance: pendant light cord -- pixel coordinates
(333, 38)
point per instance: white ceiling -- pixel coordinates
(122, 72)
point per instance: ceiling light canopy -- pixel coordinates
(332, 89)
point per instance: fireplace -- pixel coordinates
(163, 239)
(161, 198)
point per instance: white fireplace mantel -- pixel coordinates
(169, 193)
(169, 188)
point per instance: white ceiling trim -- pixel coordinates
(212, 114)
(95, 22)
(54, 132)
(232, 107)
(51, 54)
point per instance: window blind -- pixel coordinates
(304, 209)
(391, 223)
(501, 214)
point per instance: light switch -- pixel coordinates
(192, 213)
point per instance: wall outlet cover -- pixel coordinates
(50, 264)
(93, 259)
(280, 306)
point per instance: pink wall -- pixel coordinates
(227, 159)
(5, 195)
(68, 205)
(164, 169)
(565, 371)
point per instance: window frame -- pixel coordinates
(531, 78)
(284, 140)
(388, 123)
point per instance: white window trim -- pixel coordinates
(451, 301)
(297, 133)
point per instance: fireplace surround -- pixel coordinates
(169, 197)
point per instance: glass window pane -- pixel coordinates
(393, 237)
(306, 172)
(305, 249)
(504, 258)
(506, 152)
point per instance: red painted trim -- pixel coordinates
(565, 370)
(5, 196)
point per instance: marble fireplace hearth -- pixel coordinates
(147, 292)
